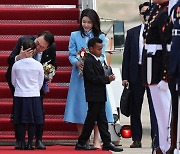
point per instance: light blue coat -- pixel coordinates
(76, 105)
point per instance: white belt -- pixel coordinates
(176, 32)
(152, 48)
(169, 47)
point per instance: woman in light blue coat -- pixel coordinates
(76, 105)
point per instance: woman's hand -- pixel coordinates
(80, 65)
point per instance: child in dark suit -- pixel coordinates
(95, 90)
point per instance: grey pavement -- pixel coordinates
(146, 139)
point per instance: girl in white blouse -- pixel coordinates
(27, 78)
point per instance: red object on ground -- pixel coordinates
(126, 131)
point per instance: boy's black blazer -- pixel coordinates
(94, 80)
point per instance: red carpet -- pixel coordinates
(42, 2)
(18, 18)
(51, 150)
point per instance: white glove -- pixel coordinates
(162, 85)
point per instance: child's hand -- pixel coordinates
(125, 83)
(111, 77)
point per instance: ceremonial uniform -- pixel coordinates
(155, 69)
(175, 47)
(174, 71)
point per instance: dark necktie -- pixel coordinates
(35, 56)
(99, 62)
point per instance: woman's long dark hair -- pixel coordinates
(93, 16)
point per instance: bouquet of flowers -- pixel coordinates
(81, 57)
(49, 72)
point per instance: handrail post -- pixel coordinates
(83, 4)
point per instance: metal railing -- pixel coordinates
(83, 4)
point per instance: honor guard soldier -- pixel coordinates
(155, 69)
(174, 71)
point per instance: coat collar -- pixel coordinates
(136, 35)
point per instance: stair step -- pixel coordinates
(6, 52)
(36, 6)
(54, 108)
(50, 108)
(61, 60)
(60, 76)
(58, 125)
(58, 67)
(39, 13)
(38, 21)
(51, 116)
(34, 29)
(5, 92)
(6, 108)
(50, 125)
(61, 135)
(16, 37)
(41, 2)
(29, 17)
(45, 137)
(58, 92)
(47, 100)
(8, 44)
(3, 62)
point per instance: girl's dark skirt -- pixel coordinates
(27, 110)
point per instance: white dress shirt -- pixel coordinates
(171, 4)
(27, 77)
(39, 56)
(97, 58)
(141, 44)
